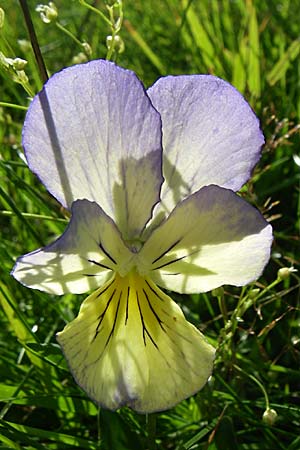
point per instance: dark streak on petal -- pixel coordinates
(171, 274)
(127, 300)
(145, 330)
(101, 317)
(115, 321)
(153, 311)
(170, 262)
(99, 264)
(154, 291)
(166, 251)
(107, 287)
(106, 253)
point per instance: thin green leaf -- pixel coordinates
(62, 438)
(254, 53)
(280, 68)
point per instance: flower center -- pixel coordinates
(134, 245)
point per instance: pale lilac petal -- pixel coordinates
(83, 258)
(92, 133)
(212, 238)
(210, 135)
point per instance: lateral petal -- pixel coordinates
(92, 133)
(131, 345)
(83, 258)
(212, 238)
(210, 135)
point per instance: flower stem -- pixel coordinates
(261, 386)
(34, 42)
(151, 430)
(95, 10)
(115, 25)
(69, 33)
(266, 289)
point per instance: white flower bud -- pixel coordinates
(87, 48)
(285, 272)
(4, 62)
(119, 43)
(19, 63)
(48, 12)
(79, 58)
(2, 17)
(24, 45)
(109, 41)
(15, 63)
(21, 77)
(269, 416)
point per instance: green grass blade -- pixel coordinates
(280, 68)
(155, 60)
(254, 54)
(61, 438)
(200, 38)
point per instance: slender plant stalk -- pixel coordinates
(34, 42)
(68, 33)
(151, 429)
(95, 10)
(34, 216)
(12, 105)
(261, 386)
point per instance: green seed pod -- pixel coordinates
(218, 292)
(253, 293)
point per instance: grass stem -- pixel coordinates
(34, 42)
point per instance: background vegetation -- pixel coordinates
(253, 44)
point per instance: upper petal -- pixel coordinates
(210, 135)
(84, 257)
(92, 133)
(212, 238)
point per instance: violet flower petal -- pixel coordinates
(210, 239)
(92, 133)
(210, 135)
(82, 258)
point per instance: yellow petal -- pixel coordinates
(131, 345)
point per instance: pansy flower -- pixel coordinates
(149, 178)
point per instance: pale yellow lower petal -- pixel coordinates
(131, 345)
